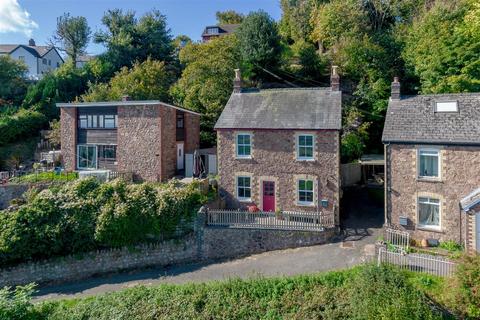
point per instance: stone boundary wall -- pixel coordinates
(205, 244)
(12, 191)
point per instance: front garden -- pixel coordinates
(86, 215)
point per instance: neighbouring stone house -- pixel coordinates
(146, 138)
(432, 152)
(279, 149)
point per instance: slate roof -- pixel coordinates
(298, 108)
(37, 51)
(413, 119)
(222, 29)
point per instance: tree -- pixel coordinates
(149, 80)
(442, 47)
(259, 44)
(229, 17)
(128, 39)
(73, 33)
(206, 82)
(12, 78)
(295, 22)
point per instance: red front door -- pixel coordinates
(268, 196)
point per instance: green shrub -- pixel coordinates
(468, 286)
(45, 177)
(15, 304)
(23, 123)
(451, 246)
(84, 215)
(385, 293)
(322, 296)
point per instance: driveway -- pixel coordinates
(360, 231)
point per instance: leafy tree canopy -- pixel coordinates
(148, 80)
(206, 82)
(259, 44)
(229, 17)
(12, 79)
(73, 35)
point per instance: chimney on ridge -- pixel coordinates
(126, 98)
(335, 79)
(237, 82)
(395, 95)
(31, 43)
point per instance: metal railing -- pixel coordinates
(397, 238)
(285, 220)
(418, 262)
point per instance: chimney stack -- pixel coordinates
(395, 95)
(31, 43)
(126, 98)
(237, 82)
(335, 79)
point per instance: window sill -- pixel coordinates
(305, 204)
(244, 158)
(244, 199)
(429, 229)
(428, 179)
(305, 160)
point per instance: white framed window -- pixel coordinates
(44, 61)
(244, 145)
(305, 146)
(82, 121)
(428, 212)
(305, 192)
(244, 188)
(428, 163)
(21, 58)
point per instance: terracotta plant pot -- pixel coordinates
(424, 243)
(253, 208)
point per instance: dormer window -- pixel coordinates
(212, 30)
(446, 106)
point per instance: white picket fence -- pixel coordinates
(397, 238)
(418, 262)
(286, 220)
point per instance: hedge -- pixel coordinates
(84, 215)
(22, 124)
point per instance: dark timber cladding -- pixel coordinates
(97, 135)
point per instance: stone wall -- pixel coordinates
(68, 127)
(139, 141)
(274, 159)
(13, 191)
(205, 244)
(460, 168)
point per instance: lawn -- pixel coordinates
(366, 292)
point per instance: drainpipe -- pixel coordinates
(387, 183)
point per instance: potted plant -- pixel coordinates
(279, 215)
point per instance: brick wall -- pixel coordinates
(68, 127)
(274, 159)
(192, 132)
(139, 141)
(460, 167)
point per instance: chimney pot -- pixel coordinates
(237, 82)
(335, 79)
(126, 98)
(395, 93)
(31, 43)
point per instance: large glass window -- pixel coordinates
(305, 147)
(305, 192)
(428, 212)
(97, 121)
(244, 145)
(87, 157)
(244, 189)
(428, 163)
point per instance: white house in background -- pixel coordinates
(39, 59)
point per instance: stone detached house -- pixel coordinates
(39, 59)
(432, 154)
(211, 32)
(278, 149)
(147, 138)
